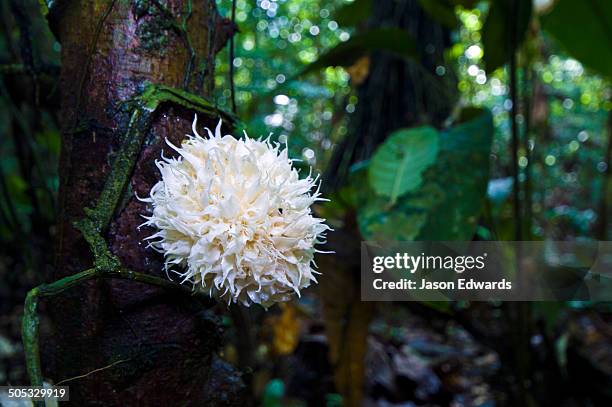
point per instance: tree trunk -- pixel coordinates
(397, 93)
(130, 344)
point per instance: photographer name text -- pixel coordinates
(405, 263)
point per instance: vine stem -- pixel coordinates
(30, 324)
(518, 233)
(527, 147)
(521, 312)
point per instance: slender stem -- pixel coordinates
(231, 61)
(602, 232)
(518, 233)
(211, 39)
(520, 314)
(527, 96)
(29, 334)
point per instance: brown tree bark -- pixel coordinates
(130, 344)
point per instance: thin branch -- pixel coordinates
(231, 61)
(518, 314)
(518, 233)
(602, 224)
(527, 97)
(82, 376)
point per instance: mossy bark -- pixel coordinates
(111, 50)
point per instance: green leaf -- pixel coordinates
(429, 196)
(354, 12)
(447, 202)
(498, 29)
(462, 172)
(398, 163)
(390, 226)
(584, 30)
(442, 11)
(393, 40)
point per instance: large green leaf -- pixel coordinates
(393, 40)
(398, 163)
(449, 194)
(584, 29)
(499, 27)
(447, 202)
(462, 172)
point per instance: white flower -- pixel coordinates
(234, 216)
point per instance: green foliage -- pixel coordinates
(499, 28)
(397, 165)
(462, 172)
(393, 40)
(584, 30)
(442, 204)
(390, 225)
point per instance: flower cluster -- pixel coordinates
(233, 217)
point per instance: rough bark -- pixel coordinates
(154, 348)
